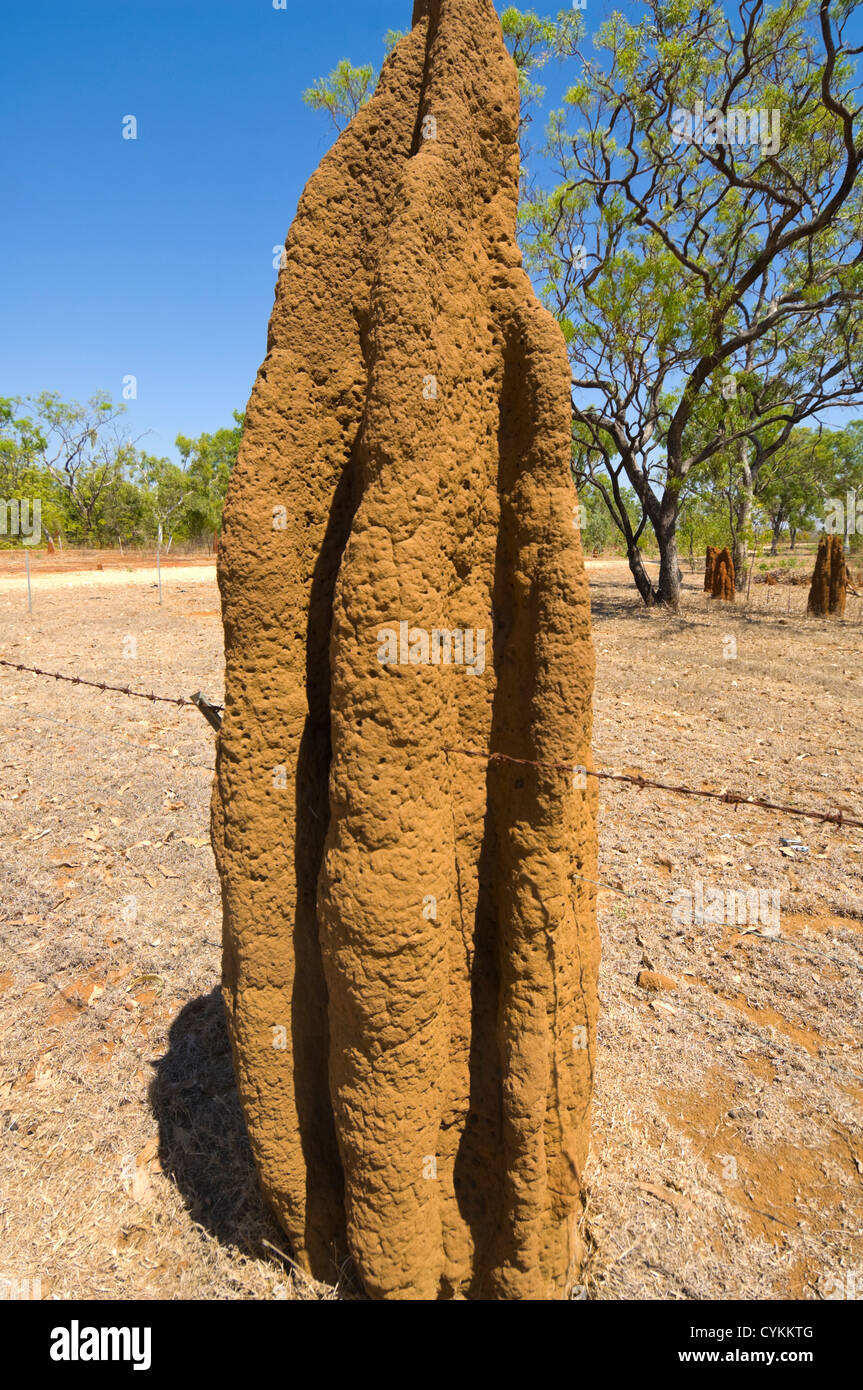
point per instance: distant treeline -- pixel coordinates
(95, 486)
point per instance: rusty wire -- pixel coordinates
(837, 818)
(637, 779)
(98, 685)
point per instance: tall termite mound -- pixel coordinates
(722, 581)
(828, 592)
(410, 950)
(709, 567)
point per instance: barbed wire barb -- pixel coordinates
(178, 700)
(635, 779)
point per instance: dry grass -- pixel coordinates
(126, 1171)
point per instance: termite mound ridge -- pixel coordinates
(723, 577)
(410, 947)
(709, 567)
(828, 592)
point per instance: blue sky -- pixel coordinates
(153, 258)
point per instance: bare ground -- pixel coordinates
(728, 1134)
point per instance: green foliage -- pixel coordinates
(598, 531)
(683, 245)
(535, 42)
(95, 486)
(343, 93)
(791, 491)
(391, 38)
(68, 455)
(208, 462)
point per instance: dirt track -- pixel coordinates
(728, 1134)
(97, 569)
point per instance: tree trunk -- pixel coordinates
(640, 575)
(744, 520)
(670, 576)
(665, 529)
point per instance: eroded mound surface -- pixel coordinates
(410, 965)
(828, 591)
(722, 576)
(709, 566)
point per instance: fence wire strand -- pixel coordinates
(729, 798)
(99, 685)
(637, 779)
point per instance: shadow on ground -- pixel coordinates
(203, 1144)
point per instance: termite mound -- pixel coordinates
(828, 592)
(723, 577)
(709, 567)
(410, 946)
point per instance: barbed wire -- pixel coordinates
(637, 779)
(838, 818)
(98, 685)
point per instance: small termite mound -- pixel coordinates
(722, 582)
(829, 580)
(709, 567)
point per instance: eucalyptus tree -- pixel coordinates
(701, 248)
